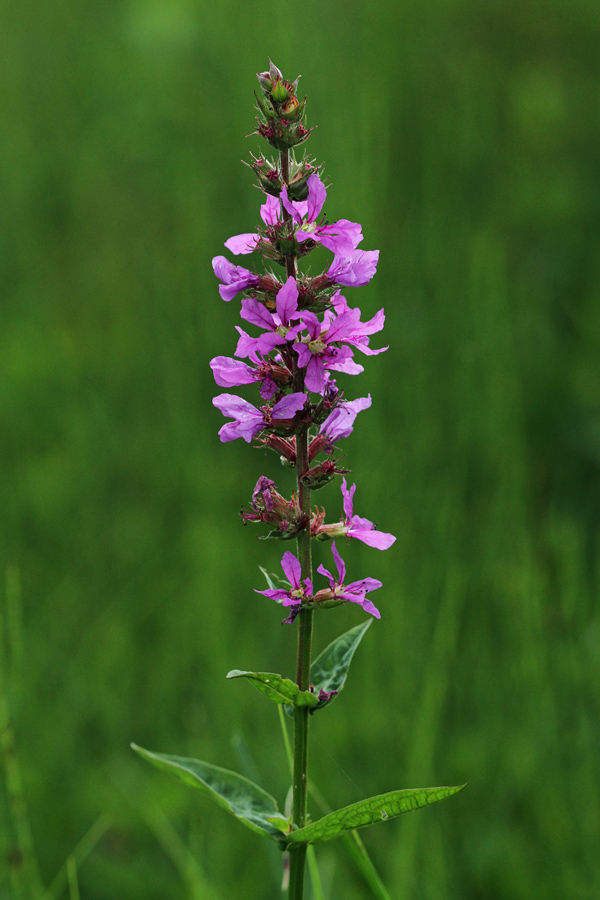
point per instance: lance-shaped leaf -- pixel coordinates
(277, 688)
(238, 795)
(369, 812)
(329, 670)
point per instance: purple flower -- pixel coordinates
(352, 526)
(246, 243)
(234, 278)
(342, 238)
(298, 590)
(355, 592)
(340, 422)
(353, 269)
(248, 420)
(230, 372)
(362, 529)
(320, 351)
(277, 326)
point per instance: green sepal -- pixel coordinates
(241, 798)
(369, 812)
(265, 108)
(277, 688)
(324, 604)
(278, 535)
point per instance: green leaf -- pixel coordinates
(238, 795)
(330, 669)
(277, 688)
(368, 812)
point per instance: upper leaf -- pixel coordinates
(368, 812)
(329, 670)
(277, 688)
(238, 795)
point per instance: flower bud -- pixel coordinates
(281, 115)
(269, 506)
(280, 94)
(266, 79)
(292, 109)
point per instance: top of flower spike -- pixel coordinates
(280, 114)
(274, 86)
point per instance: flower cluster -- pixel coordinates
(302, 333)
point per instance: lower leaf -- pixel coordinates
(369, 812)
(241, 797)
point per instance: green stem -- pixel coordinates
(305, 620)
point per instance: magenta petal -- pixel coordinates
(354, 270)
(323, 571)
(230, 372)
(292, 568)
(223, 269)
(373, 325)
(370, 608)
(287, 300)
(312, 325)
(276, 594)
(290, 206)
(242, 243)
(348, 496)
(344, 326)
(348, 366)
(304, 354)
(234, 278)
(289, 406)
(317, 194)
(269, 211)
(257, 314)
(234, 406)
(340, 423)
(370, 536)
(363, 587)
(371, 584)
(315, 375)
(264, 344)
(248, 420)
(339, 564)
(345, 230)
(246, 429)
(363, 346)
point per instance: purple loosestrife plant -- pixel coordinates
(306, 331)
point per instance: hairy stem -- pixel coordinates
(305, 623)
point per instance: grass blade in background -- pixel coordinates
(16, 831)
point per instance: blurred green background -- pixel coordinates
(464, 136)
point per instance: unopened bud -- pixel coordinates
(291, 109)
(279, 94)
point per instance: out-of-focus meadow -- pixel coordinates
(465, 137)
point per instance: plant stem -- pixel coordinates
(305, 620)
